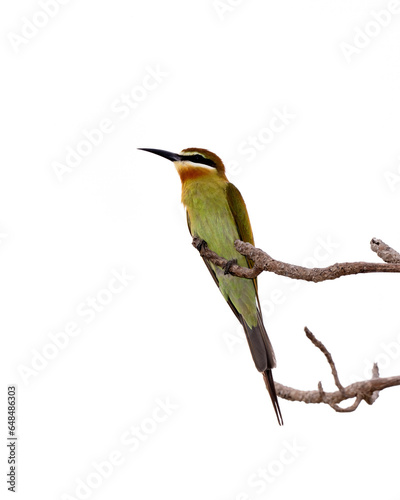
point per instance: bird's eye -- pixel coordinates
(197, 158)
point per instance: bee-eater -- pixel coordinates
(216, 213)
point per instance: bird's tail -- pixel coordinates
(264, 358)
(269, 382)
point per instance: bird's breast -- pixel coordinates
(210, 216)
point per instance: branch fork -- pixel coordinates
(367, 390)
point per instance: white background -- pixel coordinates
(331, 176)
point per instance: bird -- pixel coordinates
(217, 215)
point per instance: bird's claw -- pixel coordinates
(228, 265)
(199, 244)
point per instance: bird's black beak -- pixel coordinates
(164, 154)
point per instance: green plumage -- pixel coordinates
(216, 213)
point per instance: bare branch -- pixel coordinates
(264, 262)
(367, 390)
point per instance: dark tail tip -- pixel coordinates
(269, 382)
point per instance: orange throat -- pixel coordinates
(187, 172)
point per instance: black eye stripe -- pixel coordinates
(199, 159)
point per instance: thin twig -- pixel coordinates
(328, 356)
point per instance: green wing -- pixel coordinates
(239, 212)
(241, 218)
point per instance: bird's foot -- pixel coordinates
(199, 244)
(228, 265)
